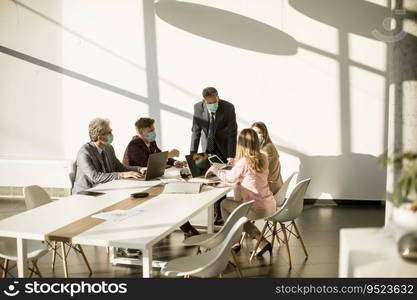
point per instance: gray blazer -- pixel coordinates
(89, 171)
(225, 124)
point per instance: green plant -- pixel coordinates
(406, 184)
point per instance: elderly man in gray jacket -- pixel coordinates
(96, 160)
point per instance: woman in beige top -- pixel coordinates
(274, 177)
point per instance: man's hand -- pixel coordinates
(179, 164)
(130, 174)
(143, 170)
(173, 153)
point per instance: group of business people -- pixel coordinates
(255, 175)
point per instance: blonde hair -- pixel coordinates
(98, 127)
(248, 147)
(264, 131)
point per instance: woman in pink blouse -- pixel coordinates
(250, 173)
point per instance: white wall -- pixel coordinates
(315, 75)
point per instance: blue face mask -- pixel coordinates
(261, 138)
(213, 107)
(151, 137)
(109, 139)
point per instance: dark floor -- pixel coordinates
(319, 225)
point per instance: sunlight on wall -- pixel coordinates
(367, 112)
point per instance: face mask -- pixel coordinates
(213, 107)
(109, 139)
(151, 137)
(261, 138)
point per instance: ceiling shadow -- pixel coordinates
(226, 27)
(355, 16)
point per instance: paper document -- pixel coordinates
(118, 214)
(204, 180)
(182, 188)
(169, 180)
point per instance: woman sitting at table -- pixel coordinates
(267, 147)
(250, 172)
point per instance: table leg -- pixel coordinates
(22, 257)
(147, 262)
(210, 219)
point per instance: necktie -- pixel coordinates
(104, 165)
(211, 134)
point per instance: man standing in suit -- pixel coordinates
(96, 160)
(214, 122)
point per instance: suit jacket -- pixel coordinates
(89, 167)
(137, 153)
(225, 129)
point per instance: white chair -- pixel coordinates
(8, 252)
(36, 196)
(280, 196)
(208, 264)
(211, 240)
(288, 212)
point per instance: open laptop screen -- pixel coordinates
(198, 164)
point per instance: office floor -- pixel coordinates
(319, 225)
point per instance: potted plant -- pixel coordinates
(404, 213)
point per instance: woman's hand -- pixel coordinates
(210, 171)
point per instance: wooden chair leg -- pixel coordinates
(85, 258)
(242, 238)
(300, 238)
(5, 268)
(274, 230)
(54, 244)
(258, 242)
(36, 268)
(64, 259)
(236, 264)
(287, 246)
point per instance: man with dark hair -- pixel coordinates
(142, 146)
(214, 122)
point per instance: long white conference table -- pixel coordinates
(69, 218)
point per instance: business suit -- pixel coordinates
(225, 129)
(92, 170)
(225, 135)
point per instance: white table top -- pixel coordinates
(371, 252)
(159, 214)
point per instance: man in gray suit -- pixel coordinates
(96, 160)
(214, 122)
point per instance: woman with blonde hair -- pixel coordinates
(267, 147)
(250, 172)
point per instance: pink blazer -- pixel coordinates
(253, 185)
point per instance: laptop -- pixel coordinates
(199, 164)
(156, 165)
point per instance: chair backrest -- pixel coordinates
(293, 207)
(215, 261)
(239, 212)
(35, 196)
(282, 193)
(72, 172)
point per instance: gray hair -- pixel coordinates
(98, 127)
